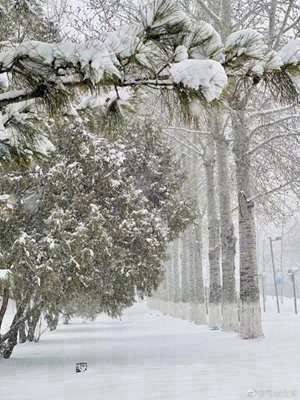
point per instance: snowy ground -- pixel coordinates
(148, 356)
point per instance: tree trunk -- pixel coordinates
(198, 311)
(171, 281)
(66, 318)
(176, 273)
(214, 297)
(250, 312)
(186, 267)
(52, 320)
(22, 328)
(228, 241)
(7, 347)
(32, 324)
(185, 277)
(10, 339)
(198, 303)
(226, 18)
(272, 22)
(5, 299)
(22, 333)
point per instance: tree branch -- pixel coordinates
(263, 113)
(268, 192)
(209, 12)
(189, 146)
(189, 130)
(260, 145)
(283, 26)
(278, 121)
(17, 96)
(276, 189)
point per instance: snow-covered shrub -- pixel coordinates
(94, 222)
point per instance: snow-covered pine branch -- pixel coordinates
(48, 68)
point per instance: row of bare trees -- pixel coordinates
(249, 156)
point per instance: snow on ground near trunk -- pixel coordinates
(148, 356)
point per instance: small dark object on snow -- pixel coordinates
(81, 367)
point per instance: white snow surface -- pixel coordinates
(207, 75)
(149, 356)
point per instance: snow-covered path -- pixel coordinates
(147, 356)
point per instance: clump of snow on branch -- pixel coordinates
(204, 42)
(246, 52)
(13, 138)
(246, 42)
(101, 100)
(290, 53)
(4, 274)
(163, 15)
(3, 81)
(124, 41)
(206, 75)
(181, 53)
(94, 61)
(271, 62)
(2, 129)
(43, 146)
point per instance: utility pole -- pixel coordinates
(274, 272)
(292, 274)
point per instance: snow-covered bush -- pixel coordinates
(95, 220)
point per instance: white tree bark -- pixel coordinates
(226, 18)
(214, 300)
(272, 22)
(198, 312)
(175, 279)
(186, 281)
(228, 241)
(250, 312)
(170, 281)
